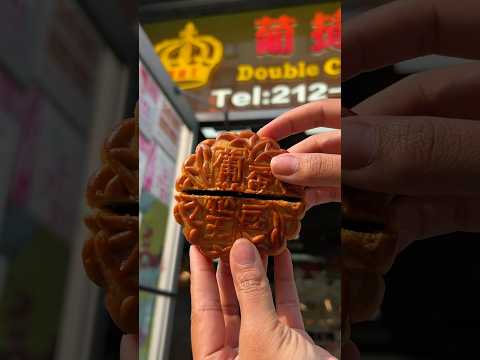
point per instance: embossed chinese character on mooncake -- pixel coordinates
(227, 191)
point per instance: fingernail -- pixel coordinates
(284, 165)
(359, 144)
(243, 252)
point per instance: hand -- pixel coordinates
(129, 347)
(314, 162)
(233, 314)
(419, 138)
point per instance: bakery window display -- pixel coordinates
(227, 191)
(110, 255)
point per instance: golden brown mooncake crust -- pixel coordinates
(213, 223)
(238, 162)
(217, 196)
(110, 258)
(369, 252)
(110, 255)
(116, 182)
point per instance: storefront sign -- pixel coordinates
(191, 58)
(265, 60)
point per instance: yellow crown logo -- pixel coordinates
(191, 58)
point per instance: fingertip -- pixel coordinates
(198, 260)
(191, 250)
(284, 255)
(260, 132)
(283, 263)
(264, 132)
(243, 253)
(223, 268)
(193, 253)
(129, 347)
(284, 165)
(350, 351)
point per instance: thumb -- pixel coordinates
(251, 284)
(311, 169)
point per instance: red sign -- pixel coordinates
(326, 31)
(275, 36)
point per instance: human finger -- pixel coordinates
(415, 155)
(325, 142)
(324, 113)
(251, 285)
(265, 261)
(415, 218)
(207, 325)
(129, 347)
(308, 169)
(286, 296)
(448, 92)
(350, 351)
(322, 195)
(377, 37)
(229, 302)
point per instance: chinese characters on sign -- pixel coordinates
(276, 36)
(275, 59)
(327, 31)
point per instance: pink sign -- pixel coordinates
(149, 102)
(163, 176)
(145, 152)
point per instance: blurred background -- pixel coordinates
(68, 73)
(188, 95)
(430, 310)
